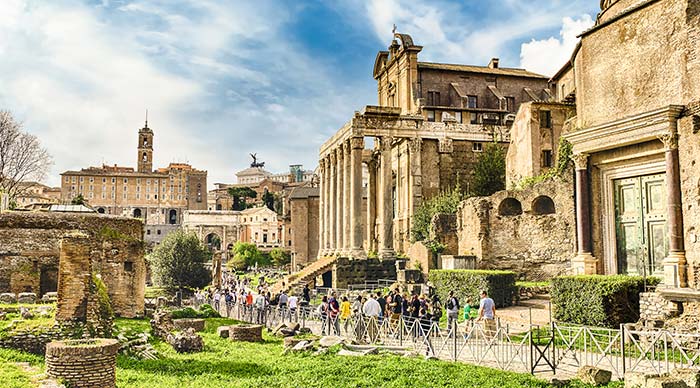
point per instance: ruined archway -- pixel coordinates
(543, 205)
(137, 213)
(213, 241)
(172, 217)
(510, 207)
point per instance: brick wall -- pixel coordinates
(83, 363)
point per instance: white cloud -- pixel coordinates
(214, 76)
(546, 56)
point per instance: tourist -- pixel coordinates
(452, 312)
(371, 309)
(322, 311)
(334, 312)
(382, 304)
(249, 303)
(396, 306)
(435, 311)
(306, 296)
(260, 305)
(282, 301)
(229, 302)
(293, 301)
(405, 304)
(217, 300)
(345, 312)
(487, 314)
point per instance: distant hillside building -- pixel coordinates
(35, 193)
(159, 197)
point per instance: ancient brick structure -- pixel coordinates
(528, 231)
(83, 363)
(32, 258)
(249, 333)
(347, 271)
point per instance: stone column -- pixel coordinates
(416, 177)
(327, 219)
(321, 205)
(347, 228)
(371, 204)
(340, 193)
(333, 200)
(675, 268)
(357, 144)
(584, 263)
(386, 249)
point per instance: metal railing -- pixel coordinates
(555, 348)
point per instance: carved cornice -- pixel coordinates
(630, 130)
(580, 161)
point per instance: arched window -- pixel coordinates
(101, 210)
(145, 157)
(510, 207)
(172, 217)
(137, 213)
(543, 205)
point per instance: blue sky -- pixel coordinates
(222, 79)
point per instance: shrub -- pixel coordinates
(467, 284)
(178, 262)
(598, 300)
(446, 202)
(280, 257)
(205, 311)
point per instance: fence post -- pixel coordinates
(622, 345)
(454, 340)
(400, 327)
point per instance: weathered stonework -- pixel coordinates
(83, 363)
(346, 272)
(513, 230)
(31, 258)
(248, 333)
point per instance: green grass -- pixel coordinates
(233, 364)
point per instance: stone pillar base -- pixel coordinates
(387, 254)
(584, 264)
(357, 254)
(675, 270)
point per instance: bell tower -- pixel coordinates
(145, 148)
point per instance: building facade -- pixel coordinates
(35, 194)
(432, 122)
(158, 197)
(635, 78)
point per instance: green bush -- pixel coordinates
(205, 311)
(598, 300)
(467, 284)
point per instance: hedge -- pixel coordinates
(467, 284)
(598, 300)
(205, 311)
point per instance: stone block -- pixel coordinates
(330, 341)
(189, 323)
(691, 377)
(665, 382)
(49, 297)
(248, 333)
(187, 341)
(594, 376)
(637, 379)
(8, 297)
(26, 297)
(222, 331)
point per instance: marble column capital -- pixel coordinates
(357, 143)
(580, 161)
(670, 140)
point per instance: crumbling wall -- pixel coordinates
(689, 135)
(520, 230)
(30, 251)
(346, 271)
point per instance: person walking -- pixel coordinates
(371, 309)
(452, 312)
(345, 312)
(322, 310)
(306, 295)
(334, 313)
(487, 314)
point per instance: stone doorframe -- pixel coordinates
(608, 174)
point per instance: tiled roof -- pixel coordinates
(481, 69)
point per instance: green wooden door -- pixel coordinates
(640, 224)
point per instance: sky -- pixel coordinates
(223, 79)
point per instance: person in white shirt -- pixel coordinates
(293, 301)
(372, 310)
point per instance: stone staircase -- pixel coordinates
(306, 275)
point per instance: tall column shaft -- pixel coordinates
(584, 263)
(356, 146)
(675, 269)
(371, 205)
(387, 216)
(327, 220)
(322, 208)
(333, 200)
(340, 193)
(347, 228)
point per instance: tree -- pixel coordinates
(269, 200)
(445, 202)
(78, 200)
(489, 171)
(178, 262)
(239, 196)
(280, 257)
(246, 255)
(22, 158)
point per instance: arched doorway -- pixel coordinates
(137, 213)
(213, 241)
(101, 210)
(172, 217)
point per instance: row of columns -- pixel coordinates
(340, 227)
(675, 271)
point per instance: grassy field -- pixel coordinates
(227, 364)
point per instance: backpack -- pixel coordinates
(452, 303)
